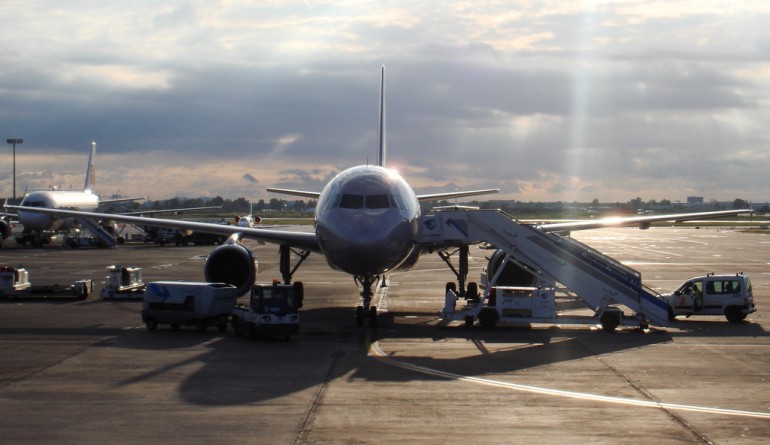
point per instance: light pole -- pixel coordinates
(14, 142)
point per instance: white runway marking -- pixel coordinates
(380, 355)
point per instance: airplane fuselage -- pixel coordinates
(367, 220)
(55, 199)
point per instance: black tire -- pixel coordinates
(238, 327)
(299, 293)
(468, 321)
(151, 324)
(359, 315)
(472, 292)
(200, 326)
(734, 314)
(450, 285)
(222, 326)
(610, 320)
(373, 316)
(175, 326)
(488, 318)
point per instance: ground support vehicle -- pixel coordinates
(13, 280)
(273, 310)
(123, 282)
(543, 304)
(721, 295)
(185, 303)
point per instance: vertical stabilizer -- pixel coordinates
(91, 170)
(381, 152)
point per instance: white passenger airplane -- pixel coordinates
(84, 200)
(366, 224)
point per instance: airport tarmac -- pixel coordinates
(89, 372)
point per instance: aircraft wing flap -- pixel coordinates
(303, 240)
(637, 220)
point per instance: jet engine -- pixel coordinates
(5, 229)
(512, 275)
(231, 264)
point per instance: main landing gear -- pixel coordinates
(469, 291)
(366, 311)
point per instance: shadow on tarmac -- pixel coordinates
(238, 371)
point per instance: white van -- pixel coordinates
(728, 295)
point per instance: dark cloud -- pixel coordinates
(600, 100)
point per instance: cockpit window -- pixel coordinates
(399, 202)
(377, 202)
(352, 201)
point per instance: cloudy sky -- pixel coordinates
(546, 100)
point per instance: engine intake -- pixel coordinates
(231, 264)
(512, 275)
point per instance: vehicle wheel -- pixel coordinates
(373, 316)
(238, 327)
(200, 326)
(222, 326)
(175, 326)
(468, 321)
(610, 320)
(299, 292)
(734, 314)
(151, 324)
(488, 318)
(359, 315)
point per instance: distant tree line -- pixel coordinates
(238, 205)
(242, 205)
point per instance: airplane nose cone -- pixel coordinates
(365, 246)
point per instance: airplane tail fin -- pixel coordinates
(91, 170)
(381, 152)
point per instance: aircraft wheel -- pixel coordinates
(151, 324)
(468, 321)
(359, 316)
(472, 292)
(373, 316)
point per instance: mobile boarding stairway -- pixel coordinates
(595, 278)
(105, 238)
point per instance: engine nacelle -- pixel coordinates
(512, 275)
(231, 264)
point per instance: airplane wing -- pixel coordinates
(431, 197)
(302, 193)
(450, 195)
(642, 221)
(188, 209)
(303, 240)
(113, 201)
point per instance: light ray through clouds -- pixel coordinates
(549, 101)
